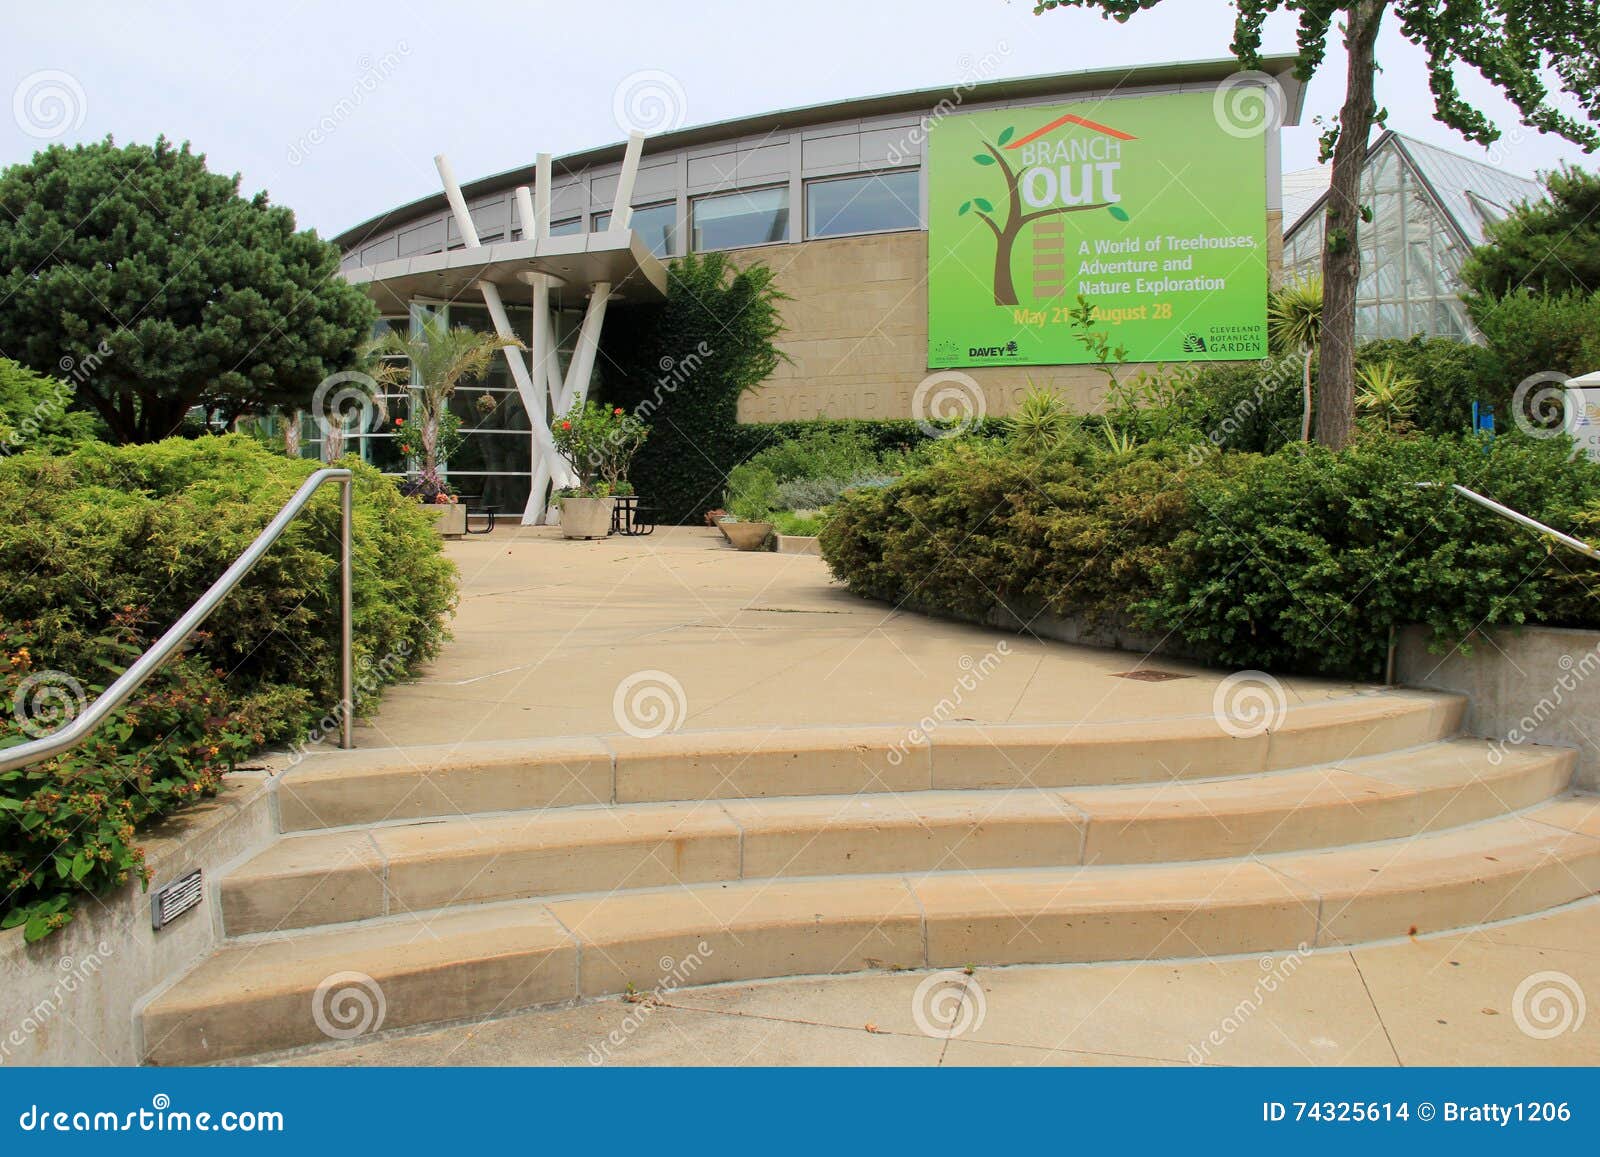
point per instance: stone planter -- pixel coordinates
(586, 517)
(449, 518)
(746, 535)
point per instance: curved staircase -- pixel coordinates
(476, 880)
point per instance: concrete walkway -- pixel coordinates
(1444, 1000)
(548, 630)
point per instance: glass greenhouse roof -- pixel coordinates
(1429, 209)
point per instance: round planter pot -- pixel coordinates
(449, 518)
(586, 517)
(746, 535)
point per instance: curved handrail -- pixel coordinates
(81, 727)
(1518, 517)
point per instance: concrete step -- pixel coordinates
(342, 788)
(306, 988)
(358, 874)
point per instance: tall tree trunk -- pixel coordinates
(1341, 254)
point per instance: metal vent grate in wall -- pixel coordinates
(176, 899)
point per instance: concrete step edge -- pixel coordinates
(356, 788)
(531, 953)
(319, 878)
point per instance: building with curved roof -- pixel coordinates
(1152, 188)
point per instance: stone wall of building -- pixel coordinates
(857, 333)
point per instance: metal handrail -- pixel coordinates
(1504, 511)
(81, 727)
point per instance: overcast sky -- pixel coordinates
(255, 85)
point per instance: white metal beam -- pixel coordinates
(541, 193)
(543, 446)
(576, 390)
(622, 208)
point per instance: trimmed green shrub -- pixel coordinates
(1301, 560)
(1451, 376)
(1251, 405)
(1531, 333)
(35, 412)
(886, 436)
(1080, 532)
(788, 522)
(819, 452)
(106, 547)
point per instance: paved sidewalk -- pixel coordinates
(1442, 1000)
(548, 629)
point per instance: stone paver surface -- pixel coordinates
(1455, 999)
(548, 630)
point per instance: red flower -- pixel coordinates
(566, 425)
(617, 411)
(399, 422)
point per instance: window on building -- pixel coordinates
(872, 203)
(557, 228)
(657, 224)
(733, 220)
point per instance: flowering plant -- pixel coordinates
(599, 442)
(408, 436)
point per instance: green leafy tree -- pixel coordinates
(179, 290)
(1549, 246)
(1514, 44)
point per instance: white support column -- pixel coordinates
(622, 208)
(458, 203)
(536, 225)
(543, 447)
(576, 389)
(541, 193)
(551, 366)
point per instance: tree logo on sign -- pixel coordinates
(1046, 177)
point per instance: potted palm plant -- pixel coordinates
(438, 359)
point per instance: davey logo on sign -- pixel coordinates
(1009, 350)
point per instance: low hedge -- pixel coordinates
(103, 549)
(1300, 560)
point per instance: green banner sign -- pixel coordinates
(1151, 208)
